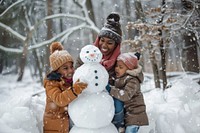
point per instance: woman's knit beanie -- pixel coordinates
(112, 28)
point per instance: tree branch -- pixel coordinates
(10, 7)
(16, 34)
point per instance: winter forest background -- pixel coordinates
(165, 32)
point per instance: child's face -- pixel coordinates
(67, 70)
(106, 45)
(120, 68)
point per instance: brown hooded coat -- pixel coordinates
(127, 89)
(58, 96)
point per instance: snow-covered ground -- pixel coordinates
(175, 110)
(19, 111)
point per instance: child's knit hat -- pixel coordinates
(129, 59)
(58, 56)
(112, 28)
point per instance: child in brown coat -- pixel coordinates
(59, 90)
(127, 89)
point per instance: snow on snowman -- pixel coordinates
(93, 110)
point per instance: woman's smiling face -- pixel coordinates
(106, 45)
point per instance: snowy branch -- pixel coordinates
(87, 20)
(188, 18)
(79, 5)
(65, 33)
(71, 30)
(28, 20)
(87, 23)
(61, 15)
(12, 50)
(10, 7)
(16, 34)
(85, 10)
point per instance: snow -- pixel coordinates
(175, 110)
(94, 109)
(19, 111)
(108, 129)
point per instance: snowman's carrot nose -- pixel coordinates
(92, 55)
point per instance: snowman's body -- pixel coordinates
(93, 110)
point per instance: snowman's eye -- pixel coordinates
(87, 51)
(95, 51)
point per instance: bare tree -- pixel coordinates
(91, 15)
(157, 33)
(28, 38)
(191, 36)
(49, 32)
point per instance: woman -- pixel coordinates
(109, 42)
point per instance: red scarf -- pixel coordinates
(69, 81)
(109, 61)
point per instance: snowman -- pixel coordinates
(93, 110)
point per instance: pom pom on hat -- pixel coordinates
(138, 55)
(129, 59)
(58, 56)
(112, 28)
(56, 46)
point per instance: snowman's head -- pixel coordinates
(90, 53)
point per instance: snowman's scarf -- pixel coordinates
(109, 61)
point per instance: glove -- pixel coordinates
(78, 87)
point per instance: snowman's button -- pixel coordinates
(96, 77)
(95, 71)
(96, 84)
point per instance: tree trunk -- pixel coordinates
(49, 35)
(2, 59)
(139, 11)
(155, 72)
(163, 75)
(60, 11)
(190, 48)
(91, 15)
(154, 68)
(163, 64)
(23, 60)
(24, 56)
(139, 16)
(128, 13)
(190, 53)
(38, 65)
